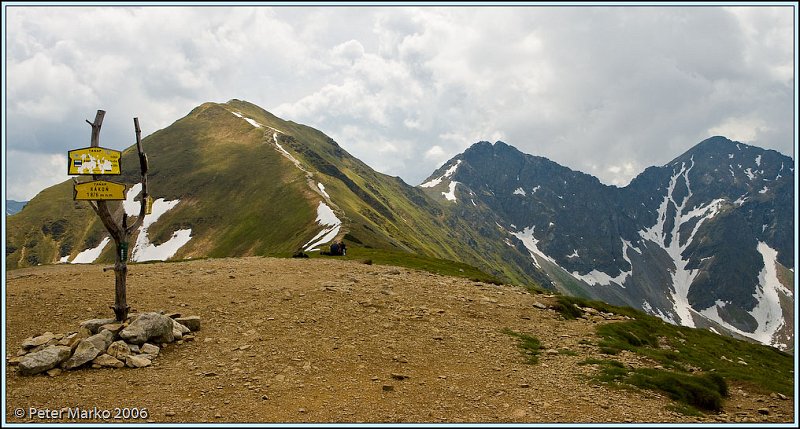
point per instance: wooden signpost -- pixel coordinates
(96, 161)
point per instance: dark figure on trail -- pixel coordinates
(338, 249)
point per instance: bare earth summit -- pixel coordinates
(325, 340)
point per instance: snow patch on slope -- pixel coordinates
(130, 204)
(531, 243)
(143, 249)
(451, 194)
(90, 255)
(596, 277)
(682, 278)
(768, 312)
(450, 171)
(322, 189)
(520, 191)
(574, 254)
(331, 225)
(287, 154)
(656, 312)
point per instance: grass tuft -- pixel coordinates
(530, 346)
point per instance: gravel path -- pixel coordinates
(325, 340)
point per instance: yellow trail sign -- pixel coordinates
(94, 160)
(99, 190)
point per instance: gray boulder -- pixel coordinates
(101, 340)
(149, 326)
(85, 352)
(43, 360)
(150, 350)
(93, 325)
(88, 349)
(108, 361)
(119, 349)
(179, 330)
(138, 361)
(191, 322)
(38, 341)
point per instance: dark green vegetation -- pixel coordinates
(704, 392)
(697, 364)
(529, 345)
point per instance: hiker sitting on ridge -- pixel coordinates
(338, 249)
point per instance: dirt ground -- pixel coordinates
(324, 340)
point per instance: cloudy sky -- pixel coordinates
(604, 90)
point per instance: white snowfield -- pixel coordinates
(255, 123)
(450, 171)
(331, 225)
(144, 250)
(768, 312)
(89, 255)
(322, 189)
(288, 155)
(596, 277)
(681, 277)
(530, 242)
(451, 194)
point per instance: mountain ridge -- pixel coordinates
(621, 245)
(231, 179)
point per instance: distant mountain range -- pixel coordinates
(13, 207)
(705, 241)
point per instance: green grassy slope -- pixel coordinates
(240, 196)
(383, 212)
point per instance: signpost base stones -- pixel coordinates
(102, 343)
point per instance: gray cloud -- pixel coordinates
(604, 90)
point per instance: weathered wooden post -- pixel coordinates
(97, 161)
